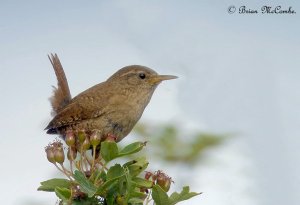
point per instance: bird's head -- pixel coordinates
(139, 77)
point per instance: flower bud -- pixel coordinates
(81, 136)
(111, 138)
(57, 144)
(120, 200)
(72, 153)
(163, 181)
(154, 177)
(50, 154)
(95, 138)
(59, 155)
(86, 144)
(55, 152)
(148, 175)
(70, 138)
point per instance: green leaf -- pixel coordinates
(109, 150)
(136, 201)
(85, 185)
(99, 176)
(112, 182)
(137, 166)
(140, 182)
(115, 171)
(159, 196)
(138, 194)
(51, 184)
(185, 194)
(129, 185)
(110, 199)
(84, 201)
(135, 197)
(63, 193)
(113, 174)
(132, 148)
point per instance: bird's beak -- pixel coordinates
(158, 78)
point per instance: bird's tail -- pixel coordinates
(61, 95)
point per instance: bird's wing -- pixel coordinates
(61, 95)
(86, 105)
(73, 113)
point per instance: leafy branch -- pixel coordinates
(90, 179)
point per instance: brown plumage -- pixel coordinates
(112, 107)
(61, 95)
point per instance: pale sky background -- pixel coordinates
(238, 73)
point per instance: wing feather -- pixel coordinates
(86, 105)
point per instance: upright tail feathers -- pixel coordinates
(61, 95)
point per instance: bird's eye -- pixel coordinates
(142, 75)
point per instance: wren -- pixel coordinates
(112, 107)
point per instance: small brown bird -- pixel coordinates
(112, 107)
